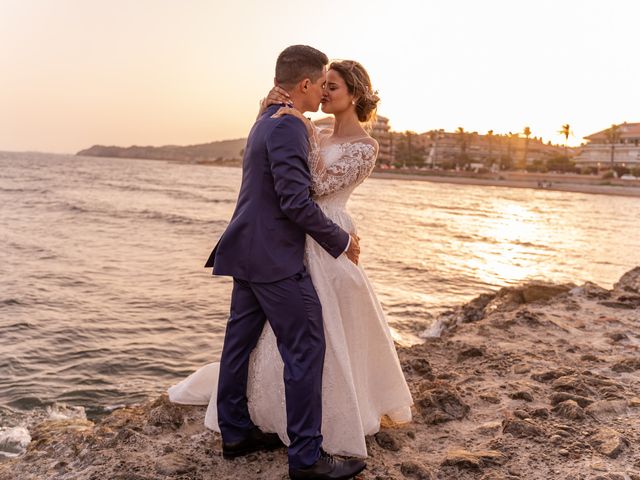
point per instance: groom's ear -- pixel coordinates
(304, 85)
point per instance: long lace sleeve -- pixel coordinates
(354, 165)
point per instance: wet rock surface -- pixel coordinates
(536, 382)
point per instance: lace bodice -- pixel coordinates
(337, 168)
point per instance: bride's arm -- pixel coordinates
(353, 166)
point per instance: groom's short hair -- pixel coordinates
(298, 62)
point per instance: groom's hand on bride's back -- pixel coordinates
(353, 252)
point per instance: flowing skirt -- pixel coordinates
(362, 377)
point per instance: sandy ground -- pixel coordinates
(569, 185)
(537, 382)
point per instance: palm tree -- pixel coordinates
(613, 137)
(463, 144)
(490, 140)
(509, 138)
(527, 134)
(565, 131)
(434, 135)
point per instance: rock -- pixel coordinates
(619, 305)
(603, 409)
(633, 300)
(575, 384)
(530, 319)
(521, 395)
(558, 397)
(509, 298)
(569, 409)
(474, 310)
(611, 476)
(626, 365)
(589, 357)
(556, 439)
(469, 353)
(415, 470)
(487, 397)
(592, 291)
(617, 336)
(522, 428)
(609, 442)
(521, 369)
(173, 464)
(474, 460)
(388, 441)
(489, 427)
(536, 291)
(163, 413)
(541, 412)
(629, 282)
(422, 367)
(548, 375)
(441, 404)
(521, 414)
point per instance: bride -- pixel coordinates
(362, 377)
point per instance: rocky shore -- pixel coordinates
(533, 382)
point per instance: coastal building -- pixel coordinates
(447, 149)
(381, 131)
(619, 147)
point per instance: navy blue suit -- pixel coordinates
(263, 249)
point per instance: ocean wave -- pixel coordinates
(144, 214)
(13, 441)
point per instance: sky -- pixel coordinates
(74, 73)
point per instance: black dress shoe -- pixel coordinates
(256, 440)
(328, 468)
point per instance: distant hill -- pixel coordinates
(213, 152)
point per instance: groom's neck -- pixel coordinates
(298, 102)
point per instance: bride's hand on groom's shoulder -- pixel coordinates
(296, 113)
(277, 95)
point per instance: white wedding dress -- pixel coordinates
(362, 377)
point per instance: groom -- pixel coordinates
(262, 249)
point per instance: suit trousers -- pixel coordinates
(292, 308)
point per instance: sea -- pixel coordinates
(105, 301)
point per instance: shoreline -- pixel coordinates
(559, 183)
(558, 186)
(533, 382)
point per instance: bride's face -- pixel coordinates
(336, 97)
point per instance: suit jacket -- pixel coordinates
(264, 241)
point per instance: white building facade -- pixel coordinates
(599, 152)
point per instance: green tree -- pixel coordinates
(527, 133)
(565, 131)
(408, 152)
(490, 142)
(463, 141)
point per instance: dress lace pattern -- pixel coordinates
(362, 377)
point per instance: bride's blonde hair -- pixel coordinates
(358, 85)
